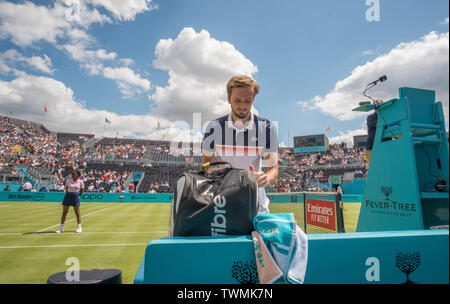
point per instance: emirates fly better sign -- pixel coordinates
(321, 214)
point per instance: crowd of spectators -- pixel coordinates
(104, 181)
(186, 150)
(72, 149)
(27, 145)
(15, 140)
(161, 187)
(334, 156)
(128, 151)
(161, 149)
(299, 180)
(10, 139)
(26, 139)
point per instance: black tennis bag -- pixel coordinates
(220, 200)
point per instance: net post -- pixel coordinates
(304, 209)
(339, 214)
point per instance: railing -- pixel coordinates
(140, 182)
(318, 167)
(91, 142)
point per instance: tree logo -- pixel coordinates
(245, 273)
(386, 191)
(407, 263)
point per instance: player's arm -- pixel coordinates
(270, 158)
(270, 161)
(207, 157)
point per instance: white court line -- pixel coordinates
(64, 246)
(106, 232)
(75, 219)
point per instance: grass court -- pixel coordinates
(114, 235)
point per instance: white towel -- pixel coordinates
(281, 248)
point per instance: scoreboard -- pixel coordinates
(359, 141)
(310, 143)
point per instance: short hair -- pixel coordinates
(242, 81)
(77, 171)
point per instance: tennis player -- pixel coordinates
(244, 139)
(74, 189)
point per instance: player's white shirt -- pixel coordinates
(243, 146)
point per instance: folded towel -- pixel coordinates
(268, 270)
(281, 248)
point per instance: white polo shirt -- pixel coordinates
(242, 146)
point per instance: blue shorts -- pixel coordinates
(71, 199)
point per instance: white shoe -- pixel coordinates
(78, 230)
(60, 229)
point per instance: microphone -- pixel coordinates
(371, 85)
(381, 79)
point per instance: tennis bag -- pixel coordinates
(217, 200)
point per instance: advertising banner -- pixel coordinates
(321, 213)
(88, 197)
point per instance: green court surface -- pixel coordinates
(114, 236)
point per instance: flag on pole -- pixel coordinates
(45, 108)
(107, 120)
(328, 129)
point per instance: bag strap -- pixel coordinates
(205, 166)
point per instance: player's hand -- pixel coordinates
(261, 177)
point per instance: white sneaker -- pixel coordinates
(60, 229)
(79, 230)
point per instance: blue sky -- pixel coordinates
(301, 50)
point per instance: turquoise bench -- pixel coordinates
(389, 257)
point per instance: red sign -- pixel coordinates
(321, 214)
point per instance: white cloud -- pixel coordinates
(305, 105)
(78, 52)
(11, 58)
(63, 24)
(423, 63)
(25, 23)
(199, 67)
(372, 52)
(26, 95)
(128, 82)
(127, 61)
(124, 10)
(445, 21)
(347, 137)
(104, 55)
(89, 59)
(81, 48)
